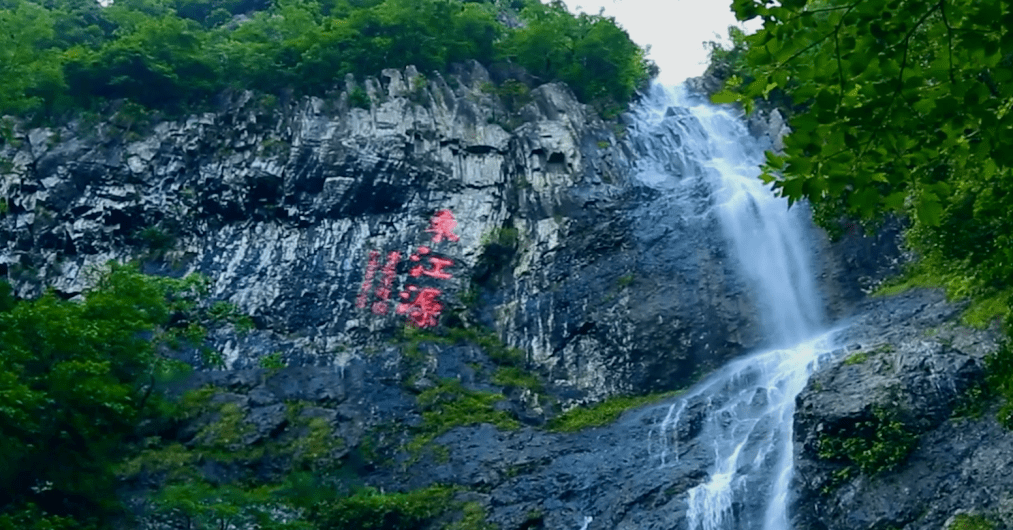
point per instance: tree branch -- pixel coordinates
(900, 82)
(809, 47)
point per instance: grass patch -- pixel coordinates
(910, 279)
(412, 338)
(272, 362)
(625, 280)
(472, 518)
(450, 405)
(513, 377)
(987, 306)
(972, 522)
(984, 311)
(505, 237)
(876, 445)
(857, 358)
(156, 240)
(602, 413)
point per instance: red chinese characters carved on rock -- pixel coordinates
(438, 265)
(383, 293)
(367, 281)
(424, 310)
(442, 226)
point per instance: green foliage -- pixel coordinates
(876, 445)
(513, 93)
(412, 338)
(1000, 380)
(974, 400)
(625, 280)
(157, 240)
(75, 380)
(725, 63)
(602, 413)
(176, 54)
(222, 312)
(898, 107)
(502, 237)
(370, 510)
(986, 307)
(589, 52)
(203, 505)
(514, 377)
(856, 358)
(4, 208)
(472, 518)
(272, 361)
(358, 98)
(971, 522)
(450, 405)
(30, 73)
(31, 517)
(418, 91)
(159, 62)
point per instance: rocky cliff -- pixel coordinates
(512, 234)
(283, 207)
(900, 433)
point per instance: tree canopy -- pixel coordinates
(76, 379)
(63, 55)
(897, 106)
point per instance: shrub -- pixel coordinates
(999, 367)
(876, 445)
(76, 379)
(358, 98)
(368, 509)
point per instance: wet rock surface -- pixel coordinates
(909, 357)
(602, 282)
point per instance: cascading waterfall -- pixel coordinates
(747, 406)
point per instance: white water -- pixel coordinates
(749, 403)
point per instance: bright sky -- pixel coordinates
(675, 29)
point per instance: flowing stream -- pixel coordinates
(742, 412)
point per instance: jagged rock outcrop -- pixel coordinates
(920, 368)
(282, 206)
(554, 247)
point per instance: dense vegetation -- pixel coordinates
(897, 107)
(64, 55)
(83, 415)
(76, 381)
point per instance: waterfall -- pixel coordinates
(744, 410)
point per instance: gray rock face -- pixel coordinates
(958, 464)
(607, 474)
(588, 272)
(282, 208)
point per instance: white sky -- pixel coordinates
(675, 29)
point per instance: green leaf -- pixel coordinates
(928, 209)
(774, 161)
(724, 96)
(895, 201)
